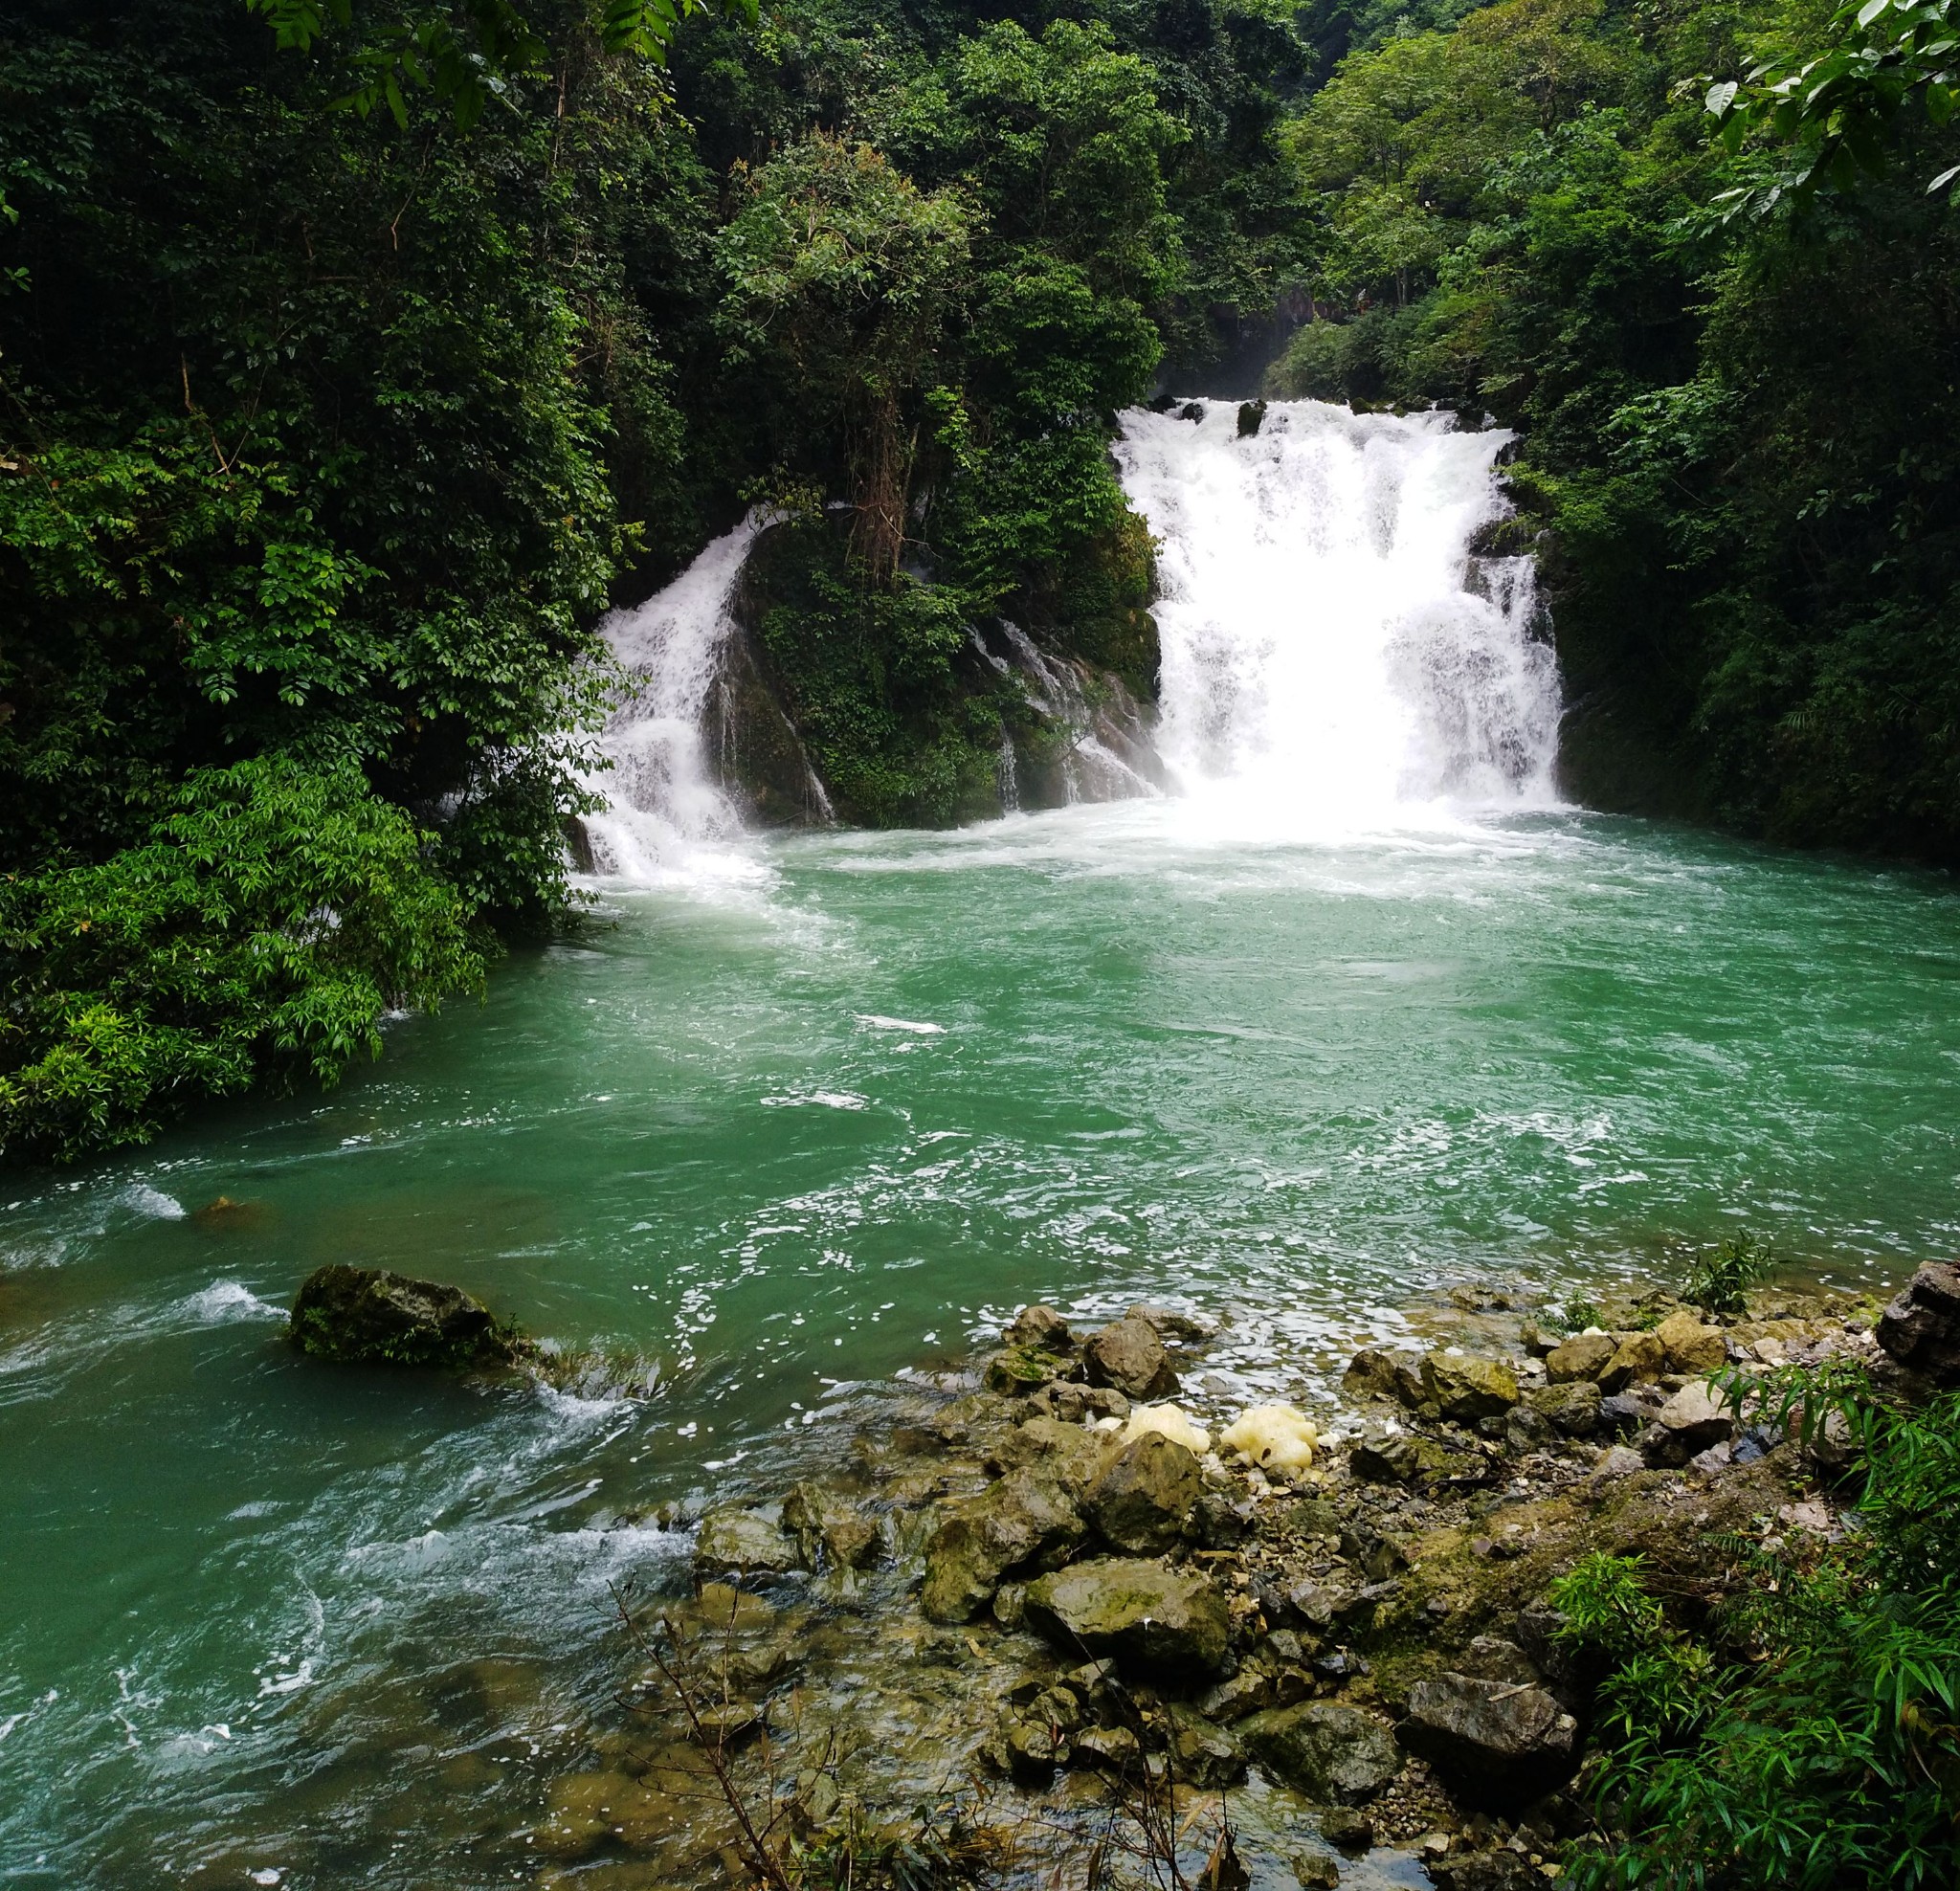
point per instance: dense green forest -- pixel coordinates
(355, 358)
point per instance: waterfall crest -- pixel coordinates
(1333, 655)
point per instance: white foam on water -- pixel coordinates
(1335, 663)
(871, 1021)
(224, 1301)
(152, 1202)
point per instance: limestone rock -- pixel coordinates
(828, 1528)
(1141, 1502)
(1402, 1457)
(1017, 1370)
(1388, 1371)
(1691, 1347)
(1128, 1355)
(1466, 1388)
(735, 1541)
(1201, 1754)
(1505, 1743)
(1025, 1520)
(1326, 1752)
(1638, 1360)
(1250, 1691)
(1069, 1403)
(368, 1316)
(1316, 1871)
(1040, 1328)
(1150, 1617)
(1572, 1408)
(1170, 1323)
(1583, 1356)
(1692, 1420)
(1499, 1870)
(1347, 1830)
(1921, 1328)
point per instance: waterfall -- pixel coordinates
(1332, 652)
(665, 811)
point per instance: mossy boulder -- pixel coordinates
(1141, 1503)
(1152, 1618)
(372, 1317)
(1330, 1752)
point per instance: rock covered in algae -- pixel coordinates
(1141, 1503)
(370, 1316)
(1151, 1617)
(1327, 1752)
(1027, 1519)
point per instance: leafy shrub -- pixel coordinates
(1605, 1602)
(274, 915)
(1828, 1755)
(1720, 1277)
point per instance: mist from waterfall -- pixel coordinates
(1334, 657)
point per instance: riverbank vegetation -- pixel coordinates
(354, 357)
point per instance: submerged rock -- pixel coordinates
(1141, 1503)
(370, 1316)
(1503, 1741)
(1921, 1328)
(1329, 1753)
(1129, 1355)
(1150, 1617)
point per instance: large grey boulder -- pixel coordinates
(1128, 1355)
(1504, 1743)
(1026, 1520)
(1333, 1754)
(1921, 1328)
(372, 1317)
(1692, 1420)
(1141, 1502)
(1152, 1618)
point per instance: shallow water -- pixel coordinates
(810, 1119)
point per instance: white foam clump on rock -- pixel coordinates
(1172, 1421)
(1279, 1438)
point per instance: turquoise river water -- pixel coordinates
(810, 1122)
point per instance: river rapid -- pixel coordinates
(798, 1114)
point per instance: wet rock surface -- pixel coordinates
(370, 1315)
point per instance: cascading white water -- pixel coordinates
(666, 818)
(1332, 654)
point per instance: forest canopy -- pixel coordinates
(355, 355)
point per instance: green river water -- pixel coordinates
(814, 1124)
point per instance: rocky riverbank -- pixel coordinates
(1041, 1617)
